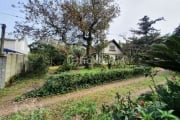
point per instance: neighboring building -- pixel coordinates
(112, 52)
(16, 46)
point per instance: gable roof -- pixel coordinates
(118, 46)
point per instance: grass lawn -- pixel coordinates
(20, 87)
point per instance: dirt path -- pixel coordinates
(33, 103)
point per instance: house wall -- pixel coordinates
(17, 45)
(10, 44)
(11, 65)
(107, 51)
(116, 52)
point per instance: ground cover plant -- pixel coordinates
(61, 110)
(66, 82)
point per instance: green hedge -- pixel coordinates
(65, 82)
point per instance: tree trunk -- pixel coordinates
(88, 49)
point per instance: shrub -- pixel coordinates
(66, 67)
(127, 109)
(65, 82)
(170, 94)
(37, 64)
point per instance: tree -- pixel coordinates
(78, 51)
(99, 47)
(146, 36)
(53, 55)
(177, 31)
(44, 19)
(92, 18)
(166, 54)
(66, 20)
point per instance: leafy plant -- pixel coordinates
(170, 94)
(38, 64)
(40, 114)
(83, 109)
(65, 82)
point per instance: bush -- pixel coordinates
(170, 94)
(66, 67)
(65, 82)
(37, 64)
(127, 109)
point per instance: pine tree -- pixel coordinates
(166, 54)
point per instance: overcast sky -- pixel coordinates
(131, 12)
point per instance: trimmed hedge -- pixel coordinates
(65, 82)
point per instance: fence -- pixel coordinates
(11, 65)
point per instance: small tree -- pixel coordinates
(78, 52)
(99, 47)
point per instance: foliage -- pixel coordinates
(38, 64)
(170, 94)
(99, 47)
(40, 114)
(43, 22)
(78, 52)
(54, 55)
(82, 110)
(67, 20)
(66, 67)
(165, 55)
(145, 26)
(147, 35)
(91, 18)
(65, 82)
(124, 108)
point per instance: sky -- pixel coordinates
(131, 12)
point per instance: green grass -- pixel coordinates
(19, 87)
(59, 110)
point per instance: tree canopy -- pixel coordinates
(70, 20)
(143, 38)
(166, 54)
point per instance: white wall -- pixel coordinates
(16, 45)
(107, 51)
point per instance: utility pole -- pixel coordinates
(2, 38)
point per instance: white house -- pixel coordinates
(111, 51)
(16, 46)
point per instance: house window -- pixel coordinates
(112, 48)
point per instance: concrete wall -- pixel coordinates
(12, 64)
(2, 70)
(17, 45)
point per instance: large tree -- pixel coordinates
(166, 54)
(92, 18)
(143, 38)
(66, 20)
(44, 19)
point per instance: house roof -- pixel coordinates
(116, 44)
(6, 50)
(8, 39)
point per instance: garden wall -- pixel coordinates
(11, 65)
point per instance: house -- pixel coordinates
(16, 46)
(111, 52)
